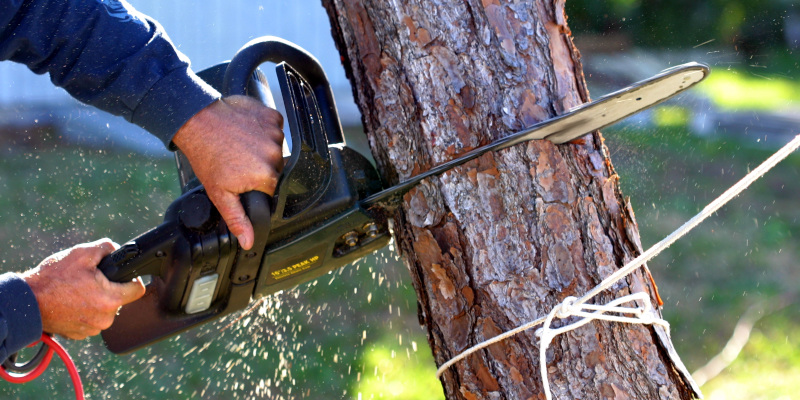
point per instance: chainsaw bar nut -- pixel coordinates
(371, 229)
(351, 238)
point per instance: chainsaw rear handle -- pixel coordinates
(157, 242)
(238, 76)
(122, 266)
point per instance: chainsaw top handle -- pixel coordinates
(277, 50)
(235, 82)
(310, 112)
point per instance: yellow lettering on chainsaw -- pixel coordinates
(294, 268)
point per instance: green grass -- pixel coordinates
(671, 116)
(743, 255)
(750, 89)
(388, 374)
(768, 366)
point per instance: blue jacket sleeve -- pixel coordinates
(108, 55)
(20, 321)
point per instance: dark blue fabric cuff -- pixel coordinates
(20, 320)
(171, 102)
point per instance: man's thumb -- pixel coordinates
(131, 291)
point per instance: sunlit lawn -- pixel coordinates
(768, 367)
(751, 89)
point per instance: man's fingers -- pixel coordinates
(77, 336)
(93, 252)
(106, 245)
(231, 210)
(247, 157)
(268, 184)
(131, 291)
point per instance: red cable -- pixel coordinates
(68, 362)
(25, 378)
(52, 345)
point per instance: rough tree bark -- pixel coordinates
(498, 242)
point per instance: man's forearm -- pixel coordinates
(20, 321)
(106, 54)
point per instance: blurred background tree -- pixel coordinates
(749, 25)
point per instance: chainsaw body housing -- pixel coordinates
(313, 224)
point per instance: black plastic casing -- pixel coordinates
(315, 223)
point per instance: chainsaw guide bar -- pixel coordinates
(573, 124)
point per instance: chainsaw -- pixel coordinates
(329, 209)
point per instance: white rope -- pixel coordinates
(569, 308)
(574, 307)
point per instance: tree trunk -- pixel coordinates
(499, 241)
